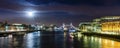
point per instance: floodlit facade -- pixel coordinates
(12, 27)
(15, 27)
(111, 26)
(86, 27)
(103, 24)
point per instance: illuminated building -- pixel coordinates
(103, 24)
(86, 27)
(2, 26)
(110, 24)
(96, 25)
(16, 27)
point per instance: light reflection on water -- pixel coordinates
(56, 40)
(95, 42)
(32, 40)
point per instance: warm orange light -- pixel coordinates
(111, 26)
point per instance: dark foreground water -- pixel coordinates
(57, 40)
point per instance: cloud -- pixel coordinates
(59, 11)
(77, 2)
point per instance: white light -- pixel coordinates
(30, 14)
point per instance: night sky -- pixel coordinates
(57, 11)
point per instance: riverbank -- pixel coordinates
(101, 35)
(6, 33)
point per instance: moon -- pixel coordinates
(30, 13)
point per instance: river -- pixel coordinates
(56, 40)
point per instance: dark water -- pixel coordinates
(56, 40)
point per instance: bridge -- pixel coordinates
(67, 27)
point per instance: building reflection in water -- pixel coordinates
(18, 41)
(110, 44)
(5, 42)
(12, 41)
(31, 40)
(56, 40)
(95, 42)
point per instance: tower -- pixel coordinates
(63, 25)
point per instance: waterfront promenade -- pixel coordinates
(113, 36)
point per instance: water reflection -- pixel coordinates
(110, 44)
(5, 42)
(56, 40)
(11, 42)
(95, 42)
(32, 40)
(69, 40)
(59, 40)
(47, 40)
(17, 41)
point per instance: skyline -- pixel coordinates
(57, 11)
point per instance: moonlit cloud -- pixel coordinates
(57, 11)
